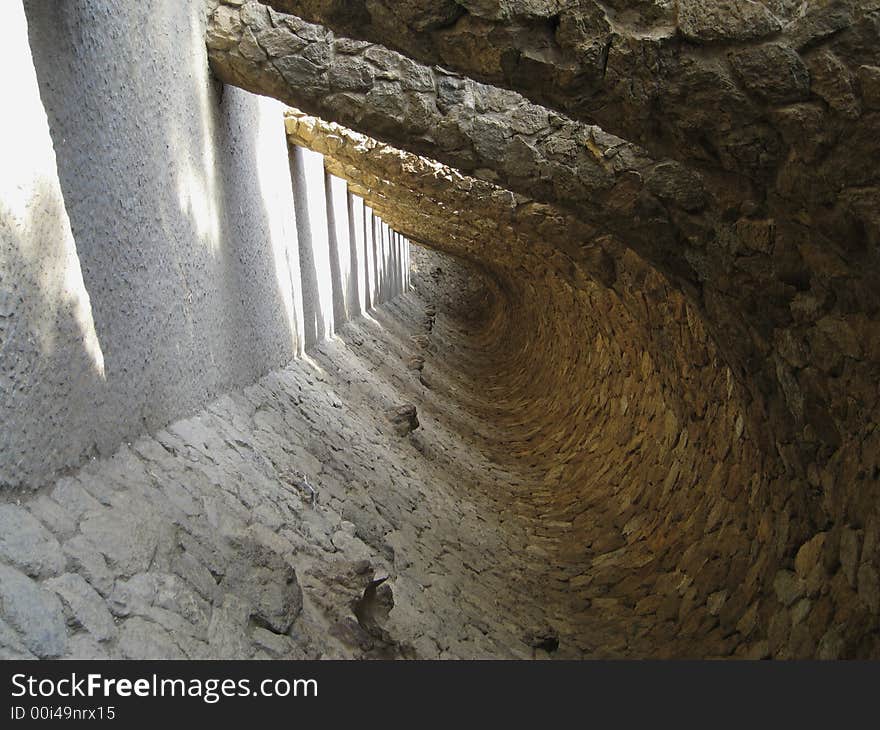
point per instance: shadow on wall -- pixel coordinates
(190, 268)
(48, 343)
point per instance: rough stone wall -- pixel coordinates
(750, 194)
(522, 243)
(570, 492)
(716, 85)
(659, 526)
(660, 208)
(253, 529)
(772, 261)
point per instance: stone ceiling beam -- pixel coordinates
(718, 85)
(480, 130)
(460, 215)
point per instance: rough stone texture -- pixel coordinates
(653, 72)
(764, 270)
(225, 484)
(645, 376)
(754, 197)
(404, 418)
(475, 128)
(32, 615)
(27, 545)
(640, 568)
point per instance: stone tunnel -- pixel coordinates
(453, 329)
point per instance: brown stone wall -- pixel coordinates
(662, 506)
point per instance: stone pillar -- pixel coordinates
(380, 261)
(383, 252)
(369, 258)
(392, 265)
(310, 203)
(357, 256)
(399, 264)
(340, 246)
(376, 248)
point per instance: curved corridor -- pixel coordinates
(634, 500)
(343, 330)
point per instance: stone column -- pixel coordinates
(372, 262)
(310, 203)
(340, 246)
(357, 239)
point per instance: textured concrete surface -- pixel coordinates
(178, 197)
(48, 343)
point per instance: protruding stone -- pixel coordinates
(809, 555)
(869, 84)
(831, 645)
(718, 20)
(267, 581)
(404, 418)
(225, 28)
(86, 607)
(831, 80)
(673, 182)
(788, 587)
(27, 545)
(849, 554)
(869, 587)
(773, 72)
(715, 602)
(34, 612)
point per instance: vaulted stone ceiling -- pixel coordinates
(724, 246)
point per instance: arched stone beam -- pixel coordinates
(463, 216)
(726, 85)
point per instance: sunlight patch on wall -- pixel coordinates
(37, 245)
(197, 186)
(277, 193)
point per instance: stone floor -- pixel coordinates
(204, 541)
